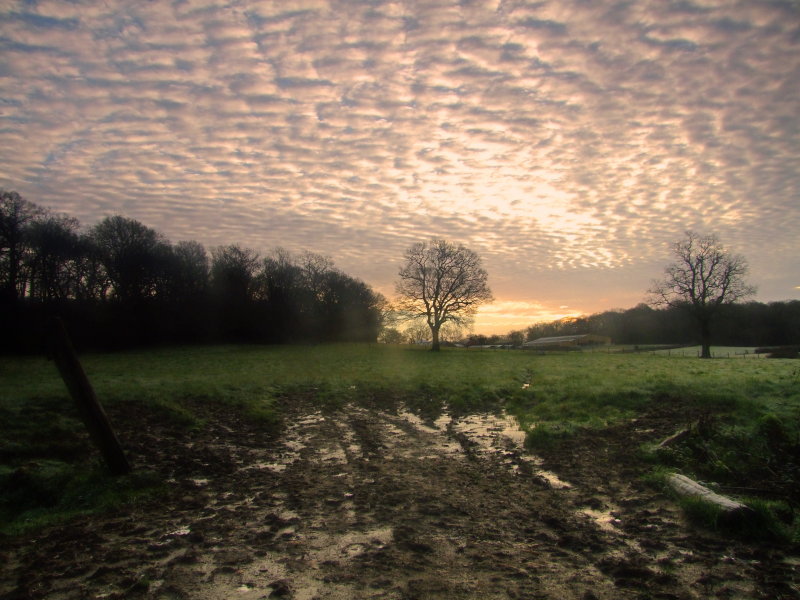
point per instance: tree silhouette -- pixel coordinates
(132, 255)
(53, 258)
(16, 213)
(441, 282)
(703, 279)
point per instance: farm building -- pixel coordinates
(567, 341)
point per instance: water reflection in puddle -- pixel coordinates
(492, 433)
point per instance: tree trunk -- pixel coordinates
(435, 347)
(705, 337)
(11, 293)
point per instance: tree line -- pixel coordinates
(744, 324)
(120, 283)
(699, 299)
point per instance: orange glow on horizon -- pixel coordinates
(503, 316)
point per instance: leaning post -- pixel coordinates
(90, 409)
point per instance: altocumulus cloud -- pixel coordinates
(567, 142)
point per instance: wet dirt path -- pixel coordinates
(367, 503)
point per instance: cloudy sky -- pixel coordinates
(568, 142)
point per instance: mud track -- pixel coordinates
(371, 502)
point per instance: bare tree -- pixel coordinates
(441, 282)
(16, 214)
(233, 272)
(703, 278)
(451, 332)
(186, 273)
(416, 333)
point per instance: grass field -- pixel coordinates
(553, 396)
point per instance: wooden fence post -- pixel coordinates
(91, 411)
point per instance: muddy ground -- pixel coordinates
(377, 502)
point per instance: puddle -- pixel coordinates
(293, 442)
(443, 445)
(501, 434)
(498, 434)
(488, 429)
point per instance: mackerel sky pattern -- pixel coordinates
(568, 142)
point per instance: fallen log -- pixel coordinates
(730, 509)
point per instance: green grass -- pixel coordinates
(46, 492)
(552, 395)
(564, 386)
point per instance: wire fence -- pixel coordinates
(691, 351)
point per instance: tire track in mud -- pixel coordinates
(369, 504)
(361, 503)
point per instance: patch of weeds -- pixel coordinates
(651, 453)
(657, 477)
(774, 519)
(172, 411)
(468, 401)
(760, 457)
(43, 429)
(763, 453)
(329, 396)
(761, 523)
(264, 415)
(46, 492)
(701, 513)
(34, 484)
(547, 435)
(261, 409)
(427, 408)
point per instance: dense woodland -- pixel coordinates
(120, 283)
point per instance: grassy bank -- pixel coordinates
(44, 447)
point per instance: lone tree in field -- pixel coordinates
(442, 283)
(703, 279)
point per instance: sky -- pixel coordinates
(567, 142)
